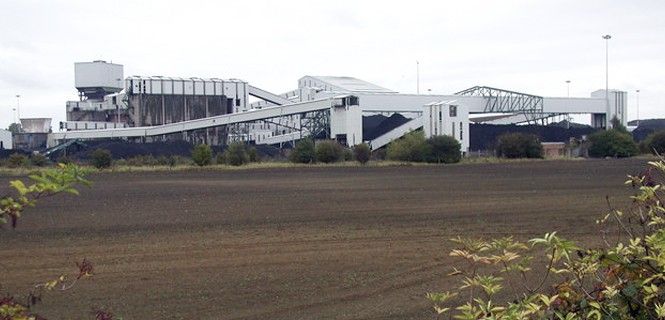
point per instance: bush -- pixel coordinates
(101, 158)
(444, 149)
(167, 161)
(236, 154)
(65, 159)
(38, 160)
(348, 154)
(253, 154)
(17, 160)
(612, 143)
(303, 152)
(202, 155)
(329, 151)
(655, 143)
(362, 153)
(555, 278)
(412, 147)
(519, 145)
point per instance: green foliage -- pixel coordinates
(617, 125)
(444, 149)
(253, 154)
(612, 143)
(38, 160)
(503, 279)
(655, 143)
(329, 151)
(348, 154)
(202, 155)
(519, 145)
(45, 183)
(15, 128)
(101, 158)
(17, 160)
(362, 153)
(411, 147)
(303, 152)
(236, 154)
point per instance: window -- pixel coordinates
(440, 115)
(453, 111)
(461, 131)
(237, 102)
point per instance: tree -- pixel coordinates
(505, 278)
(202, 155)
(519, 145)
(38, 160)
(444, 149)
(101, 158)
(236, 154)
(612, 143)
(362, 153)
(329, 151)
(655, 143)
(411, 147)
(303, 152)
(15, 128)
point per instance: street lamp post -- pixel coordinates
(607, 38)
(568, 88)
(18, 107)
(637, 92)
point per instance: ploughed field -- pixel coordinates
(305, 243)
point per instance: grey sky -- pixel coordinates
(528, 46)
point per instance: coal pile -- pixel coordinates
(483, 136)
(377, 125)
(646, 128)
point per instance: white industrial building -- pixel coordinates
(217, 111)
(5, 139)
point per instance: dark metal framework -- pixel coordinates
(317, 123)
(505, 101)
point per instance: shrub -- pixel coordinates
(444, 149)
(236, 154)
(167, 161)
(554, 278)
(362, 153)
(65, 159)
(142, 160)
(202, 155)
(519, 145)
(329, 151)
(17, 160)
(253, 154)
(411, 147)
(220, 158)
(612, 143)
(38, 160)
(655, 143)
(348, 154)
(101, 158)
(303, 152)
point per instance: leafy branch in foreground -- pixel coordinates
(622, 279)
(44, 183)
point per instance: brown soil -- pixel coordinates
(307, 243)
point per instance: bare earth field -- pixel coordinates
(306, 243)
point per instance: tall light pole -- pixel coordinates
(14, 114)
(637, 94)
(568, 88)
(607, 38)
(417, 77)
(18, 107)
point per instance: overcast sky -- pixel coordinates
(528, 46)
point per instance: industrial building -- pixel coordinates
(6, 140)
(216, 111)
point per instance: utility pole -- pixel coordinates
(607, 38)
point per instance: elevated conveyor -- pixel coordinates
(210, 122)
(412, 125)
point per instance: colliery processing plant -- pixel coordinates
(217, 111)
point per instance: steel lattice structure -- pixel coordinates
(505, 101)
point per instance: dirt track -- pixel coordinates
(315, 243)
